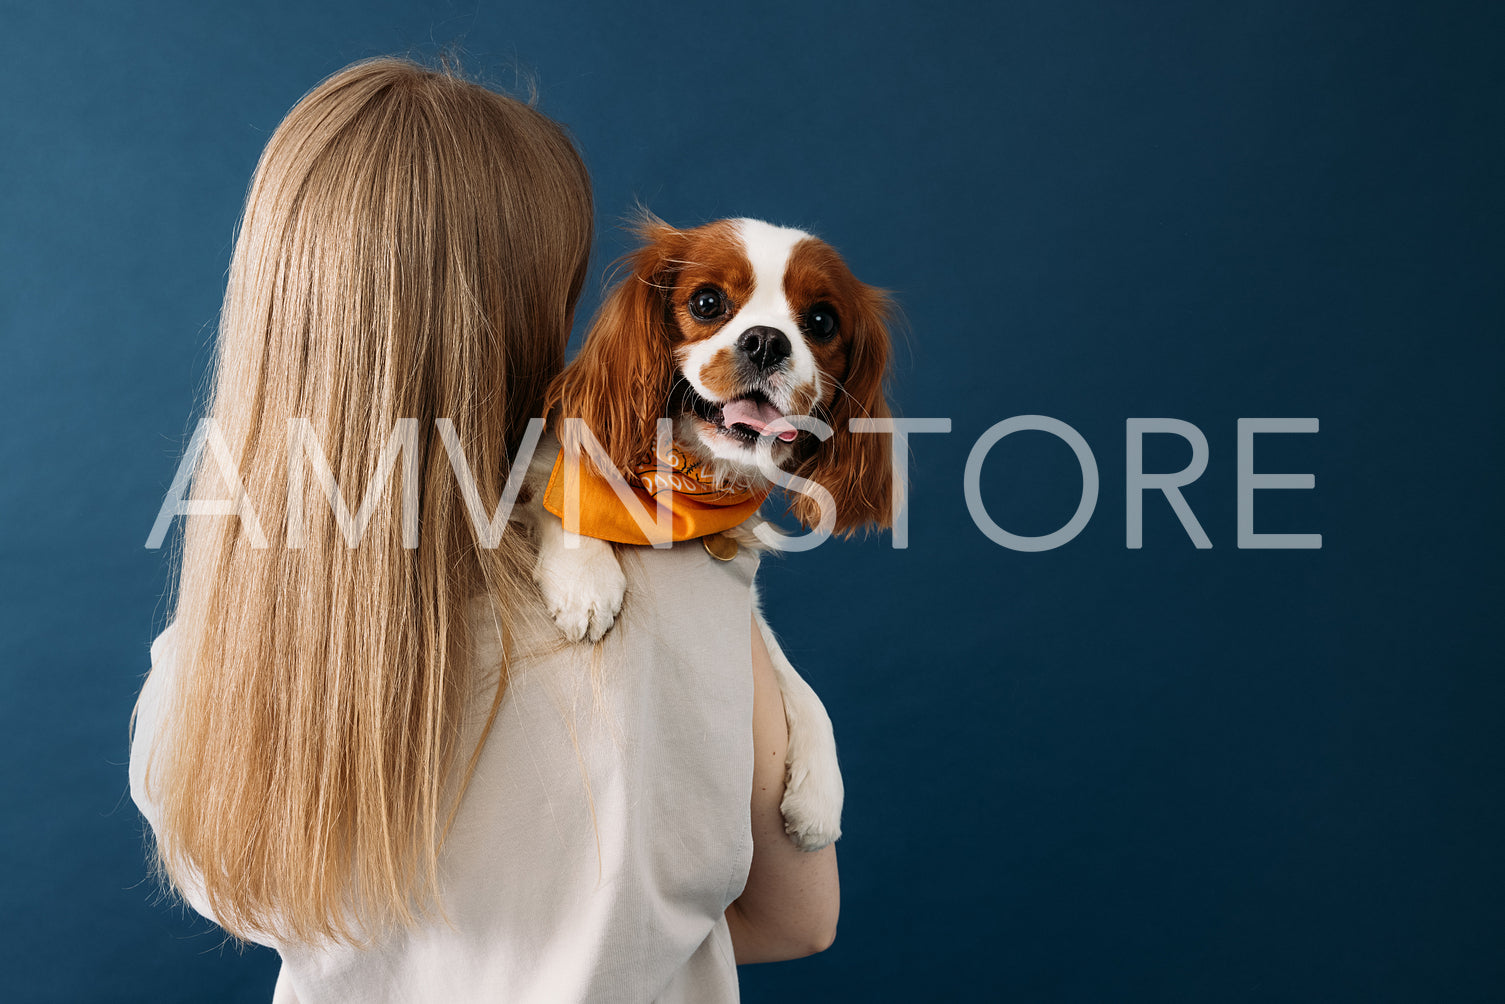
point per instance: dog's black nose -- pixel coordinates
(766, 347)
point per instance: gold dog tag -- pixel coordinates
(720, 546)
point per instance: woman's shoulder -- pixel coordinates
(686, 580)
(703, 569)
(164, 646)
(146, 717)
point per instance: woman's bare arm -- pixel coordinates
(789, 906)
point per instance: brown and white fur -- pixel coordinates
(725, 328)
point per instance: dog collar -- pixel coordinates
(697, 507)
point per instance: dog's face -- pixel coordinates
(728, 328)
(756, 314)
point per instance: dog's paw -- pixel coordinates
(813, 795)
(582, 589)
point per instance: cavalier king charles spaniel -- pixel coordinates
(729, 329)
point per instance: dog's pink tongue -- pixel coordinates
(759, 416)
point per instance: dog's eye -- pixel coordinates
(707, 303)
(820, 322)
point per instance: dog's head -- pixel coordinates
(727, 328)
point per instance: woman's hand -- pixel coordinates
(788, 908)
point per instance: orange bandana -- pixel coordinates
(697, 508)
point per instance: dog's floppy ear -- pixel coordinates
(619, 382)
(856, 468)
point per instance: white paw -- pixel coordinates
(813, 794)
(582, 588)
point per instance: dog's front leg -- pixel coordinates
(582, 586)
(580, 577)
(813, 789)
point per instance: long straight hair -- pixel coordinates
(412, 247)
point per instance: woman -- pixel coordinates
(380, 759)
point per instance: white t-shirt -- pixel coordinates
(544, 903)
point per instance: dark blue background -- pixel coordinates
(1089, 774)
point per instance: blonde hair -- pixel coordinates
(412, 246)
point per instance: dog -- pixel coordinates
(731, 330)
